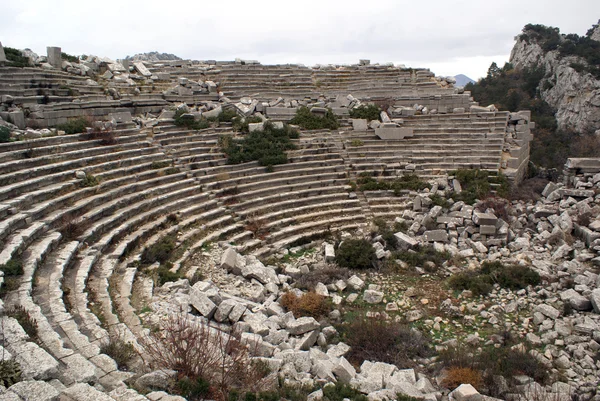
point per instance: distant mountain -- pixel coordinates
(153, 56)
(462, 80)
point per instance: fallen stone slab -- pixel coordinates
(405, 241)
(35, 362)
(484, 219)
(141, 68)
(356, 283)
(576, 300)
(344, 371)
(595, 299)
(436, 236)
(84, 392)
(373, 297)
(302, 325)
(256, 270)
(359, 124)
(394, 133)
(30, 390)
(202, 303)
(465, 392)
(548, 311)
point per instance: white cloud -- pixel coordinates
(447, 37)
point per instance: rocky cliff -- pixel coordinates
(571, 84)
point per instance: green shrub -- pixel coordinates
(89, 181)
(190, 123)
(438, 200)
(386, 233)
(193, 389)
(10, 372)
(241, 124)
(355, 254)
(159, 252)
(513, 277)
(382, 340)
(369, 112)
(225, 116)
(471, 281)
(341, 391)
(165, 275)
(15, 58)
(13, 267)
(70, 58)
(476, 184)
(4, 135)
(122, 352)
(481, 281)
(421, 255)
(410, 182)
(307, 120)
(268, 147)
(74, 126)
(159, 165)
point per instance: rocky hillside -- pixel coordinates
(153, 57)
(571, 83)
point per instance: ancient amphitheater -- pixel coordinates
(155, 178)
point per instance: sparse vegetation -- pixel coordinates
(308, 304)
(383, 340)
(89, 181)
(159, 165)
(268, 147)
(309, 120)
(369, 112)
(70, 229)
(106, 136)
(122, 352)
(74, 126)
(184, 119)
(16, 58)
(423, 256)
(355, 254)
(4, 135)
(481, 281)
(326, 276)
(10, 372)
(476, 184)
(25, 320)
(412, 182)
(159, 252)
(209, 364)
(70, 58)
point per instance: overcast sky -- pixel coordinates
(449, 37)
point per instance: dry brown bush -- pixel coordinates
(196, 351)
(106, 136)
(257, 226)
(456, 376)
(70, 228)
(500, 206)
(382, 340)
(309, 304)
(529, 190)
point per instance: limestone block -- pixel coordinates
(202, 303)
(307, 340)
(2, 54)
(344, 371)
(229, 259)
(436, 236)
(595, 300)
(372, 296)
(465, 392)
(359, 124)
(224, 309)
(83, 392)
(35, 390)
(356, 283)
(35, 362)
(256, 270)
(54, 56)
(302, 325)
(329, 252)
(548, 311)
(141, 68)
(120, 117)
(484, 219)
(393, 133)
(576, 300)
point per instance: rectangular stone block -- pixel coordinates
(120, 117)
(359, 124)
(54, 56)
(141, 68)
(484, 219)
(396, 133)
(2, 55)
(436, 236)
(487, 230)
